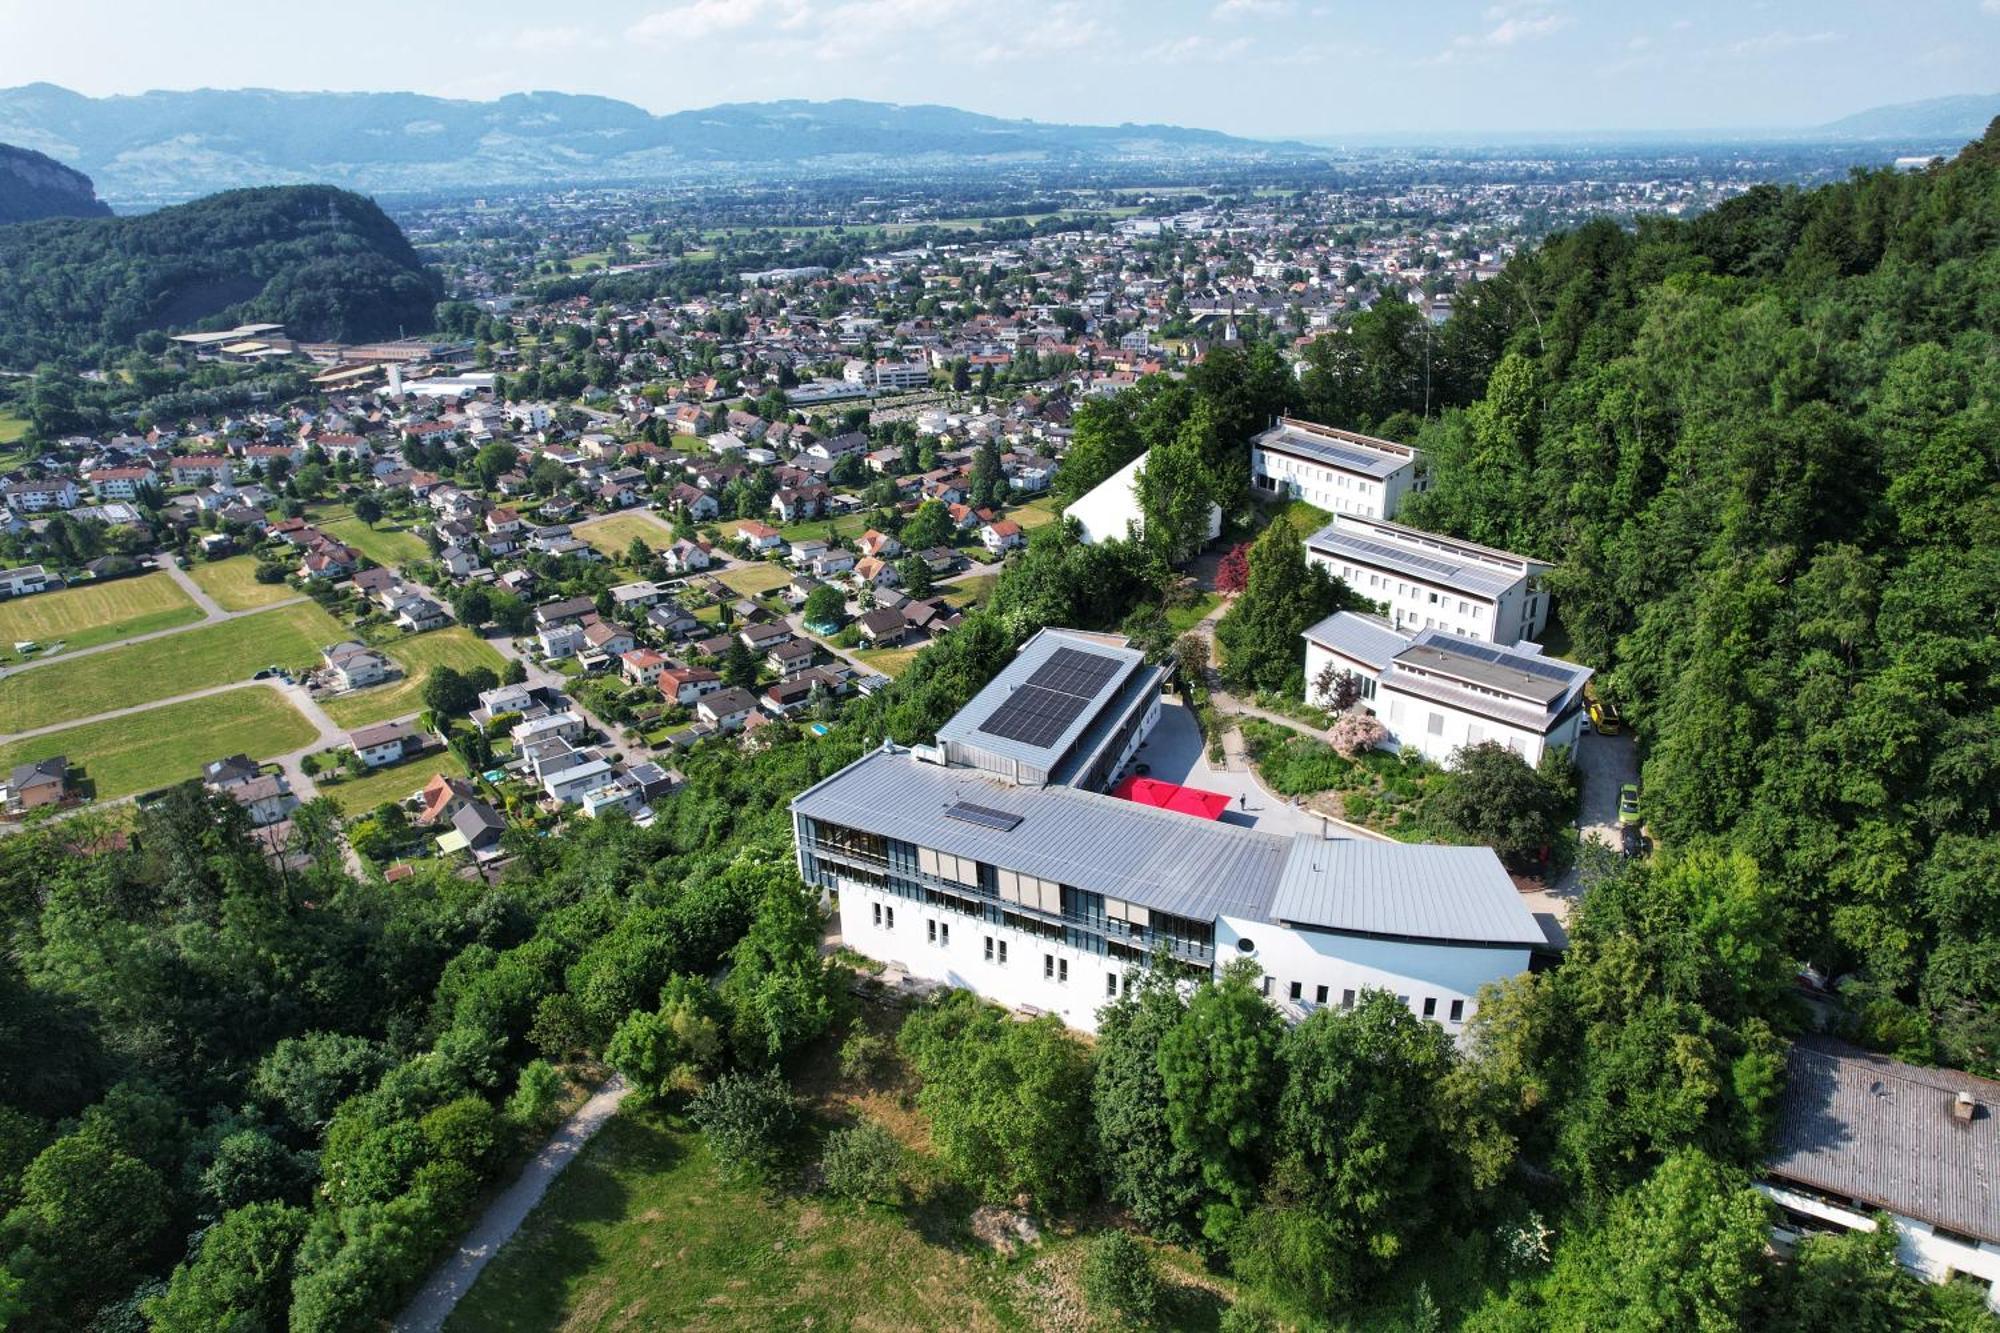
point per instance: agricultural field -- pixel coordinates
(233, 584)
(357, 796)
(388, 544)
(124, 755)
(612, 535)
(140, 673)
(754, 580)
(12, 428)
(454, 646)
(92, 614)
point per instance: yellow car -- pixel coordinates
(1604, 719)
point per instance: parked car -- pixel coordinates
(1604, 719)
(1628, 804)
(1631, 842)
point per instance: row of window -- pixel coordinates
(1474, 610)
(1456, 1011)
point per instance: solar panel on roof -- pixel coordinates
(1000, 821)
(1379, 550)
(1357, 459)
(1533, 666)
(1039, 711)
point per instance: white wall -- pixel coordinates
(1409, 721)
(1331, 489)
(1442, 972)
(1932, 1257)
(962, 961)
(1110, 511)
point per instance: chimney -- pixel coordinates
(1963, 1108)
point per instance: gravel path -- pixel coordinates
(431, 1307)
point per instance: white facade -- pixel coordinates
(1335, 470)
(1919, 1247)
(1110, 511)
(1432, 582)
(1308, 969)
(1023, 971)
(1434, 730)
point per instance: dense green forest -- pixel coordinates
(324, 262)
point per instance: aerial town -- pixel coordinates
(1209, 733)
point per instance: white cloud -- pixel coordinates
(1508, 26)
(1194, 49)
(1065, 27)
(1990, 6)
(1228, 10)
(1771, 43)
(552, 41)
(700, 19)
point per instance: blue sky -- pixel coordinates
(1269, 67)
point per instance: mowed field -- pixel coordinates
(454, 646)
(124, 755)
(612, 535)
(233, 584)
(357, 796)
(751, 580)
(387, 544)
(643, 1231)
(97, 613)
(141, 673)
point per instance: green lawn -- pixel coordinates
(612, 535)
(891, 662)
(752, 580)
(92, 614)
(12, 428)
(642, 1231)
(970, 591)
(233, 584)
(454, 646)
(357, 796)
(1181, 619)
(164, 745)
(140, 673)
(1034, 514)
(388, 544)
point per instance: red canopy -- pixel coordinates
(1172, 796)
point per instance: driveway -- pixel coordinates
(1604, 763)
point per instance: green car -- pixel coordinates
(1628, 803)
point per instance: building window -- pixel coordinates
(989, 948)
(1048, 965)
(878, 915)
(1266, 987)
(944, 933)
(1298, 989)
(1430, 1006)
(930, 930)
(1111, 985)
(1436, 724)
(1062, 971)
(1347, 999)
(1457, 1010)
(1003, 953)
(1319, 995)
(889, 917)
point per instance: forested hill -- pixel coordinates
(1763, 443)
(33, 185)
(324, 262)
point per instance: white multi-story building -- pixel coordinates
(1432, 582)
(994, 860)
(1336, 470)
(1110, 510)
(1436, 691)
(1859, 1134)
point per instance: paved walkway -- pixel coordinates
(211, 609)
(430, 1307)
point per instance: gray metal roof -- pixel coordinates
(1507, 684)
(963, 728)
(1434, 561)
(1370, 640)
(1341, 449)
(1877, 1130)
(1420, 892)
(1158, 859)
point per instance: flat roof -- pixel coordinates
(1160, 860)
(1457, 894)
(1343, 449)
(1043, 700)
(1479, 571)
(1508, 685)
(1370, 640)
(1493, 668)
(1874, 1129)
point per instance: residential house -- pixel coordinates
(833, 560)
(727, 709)
(686, 685)
(883, 628)
(569, 785)
(34, 785)
(605, 638)
(790, 657)
(26, 580)
(476, 827)
(671, 619)
(120, 483)
(642, 666)
(416, 613)
(761, 638)
(759, 537)
(560, 641)
(354, 666)
(443, 796)
(795, 503)
(685, 557)
(384, 743)
(876, 573)
(1001, 536)
(38, 497)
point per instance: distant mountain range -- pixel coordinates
(1963, 117)
(174, 145)
(34, 185)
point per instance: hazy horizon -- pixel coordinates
(1262, 68)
